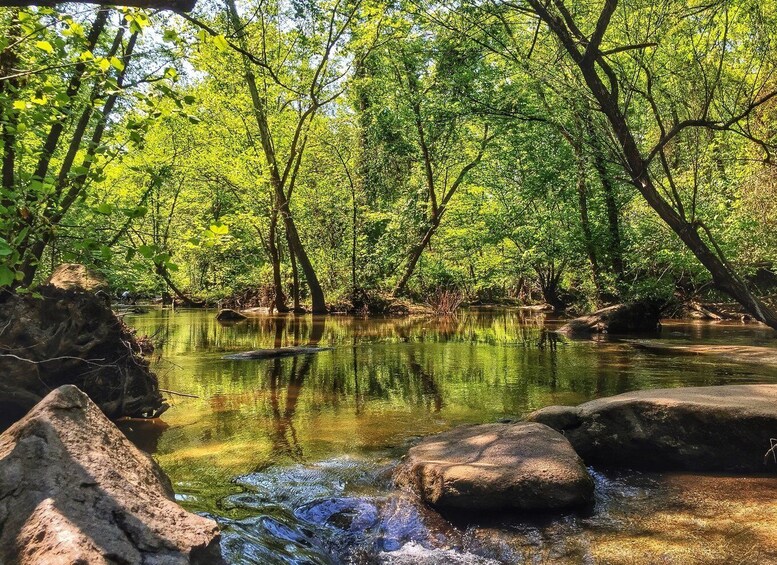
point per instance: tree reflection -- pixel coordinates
(283, 434)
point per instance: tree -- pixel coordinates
(600, 64)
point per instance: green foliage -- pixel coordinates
(369, 112)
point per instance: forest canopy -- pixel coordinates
(343, 152)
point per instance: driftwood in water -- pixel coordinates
(275, 353)
(71, 337)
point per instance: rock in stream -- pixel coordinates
(73, 489)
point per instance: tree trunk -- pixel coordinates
(585, 223)
(295, 278)
(415, 255)
(187, 301)
(32, 254)
(275, 259)
(550, 279)
(316, 293)
(613, 214)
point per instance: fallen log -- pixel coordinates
(275, 353)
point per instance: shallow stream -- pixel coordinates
(294, 456)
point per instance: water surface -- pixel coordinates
(294, 455)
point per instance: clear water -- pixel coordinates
(293, 456)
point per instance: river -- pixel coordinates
(293, 456)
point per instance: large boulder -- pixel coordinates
(636, 317)
(71, 337)
(74, 276)
(73, 489)
(524, 466)
(718, 428)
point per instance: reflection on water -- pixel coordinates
(383, 383)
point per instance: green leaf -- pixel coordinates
(7, 276)
(220, 42)
(105, 209)
(147, 251)
(5, 249)
(137, 212)
(117, 64)
(104, 64)
(45, 46)
(219, 229)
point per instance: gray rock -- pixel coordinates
(720, 428)
(524, 466)
(73, 489)
(74, 276)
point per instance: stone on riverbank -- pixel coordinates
(718, 428)
(228, 315)
(524, 466)
(71, 337)
(73, 489)
(637, 317)
(74, 276)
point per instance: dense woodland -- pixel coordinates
(338, 153)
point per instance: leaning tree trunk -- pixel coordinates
(316, 293)
(415, 255)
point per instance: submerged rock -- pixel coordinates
(73, 489)
(228, 315)
(71, 337)
(341, 510)
(717, 428)
(524, 466)
(758, 355)
(275, 353)
(637, 317)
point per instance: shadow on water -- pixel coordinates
(312, 439)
